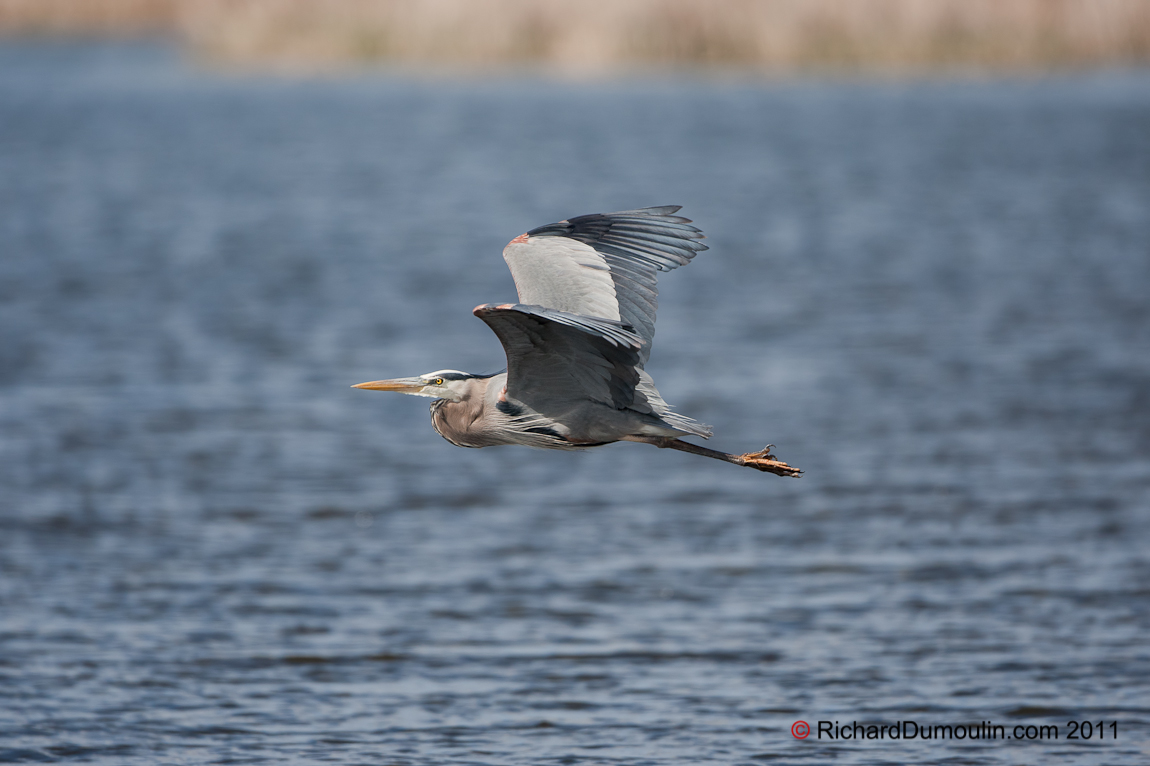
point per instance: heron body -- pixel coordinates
(576, 344)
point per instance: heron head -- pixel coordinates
(442, 384)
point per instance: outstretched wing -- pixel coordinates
(604, 265)
(555, 358)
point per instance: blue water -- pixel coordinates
(932, 296)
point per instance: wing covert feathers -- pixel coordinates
(555, 357)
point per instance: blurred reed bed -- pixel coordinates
(88, 17)
(591, 35)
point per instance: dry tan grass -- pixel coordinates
(595, 35)
(103, 17)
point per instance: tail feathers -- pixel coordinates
(684, 423)
(662, 410)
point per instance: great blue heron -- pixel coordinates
(576, 344)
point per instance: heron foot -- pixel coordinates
(763, 460)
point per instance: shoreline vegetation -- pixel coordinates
(602, 36)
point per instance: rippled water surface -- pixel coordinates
(934, 297)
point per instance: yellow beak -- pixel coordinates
(403, 385)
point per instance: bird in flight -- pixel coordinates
(576, 344)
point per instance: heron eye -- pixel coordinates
(439, 381)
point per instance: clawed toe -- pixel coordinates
(763, 460)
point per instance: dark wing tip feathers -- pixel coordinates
(653, 235)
